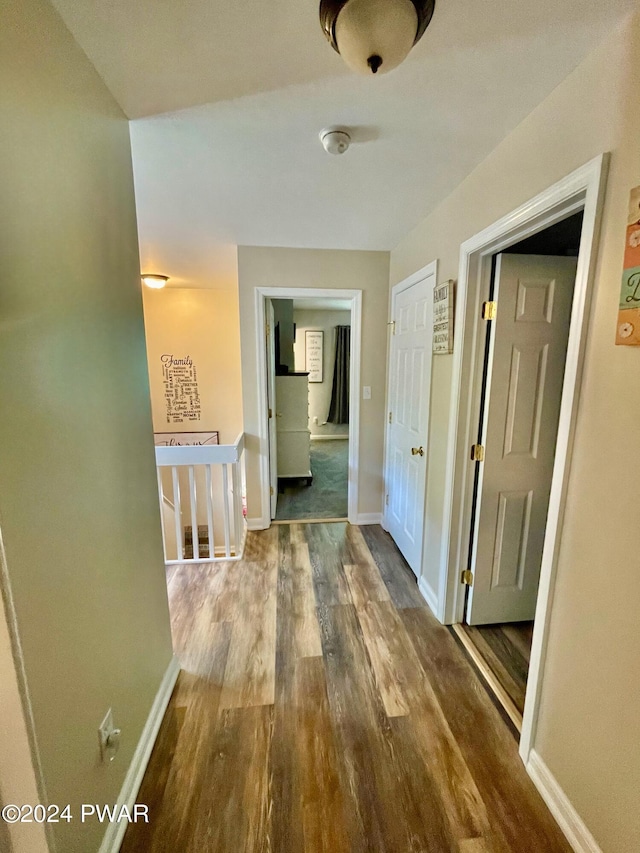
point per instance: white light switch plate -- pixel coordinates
(366, 392)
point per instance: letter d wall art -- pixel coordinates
(628, 329)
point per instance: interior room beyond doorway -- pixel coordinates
(311, 402)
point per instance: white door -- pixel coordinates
(271, 403)
(408, 395)
(524, 378)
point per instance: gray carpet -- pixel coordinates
(326, 497)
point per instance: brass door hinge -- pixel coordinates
(271, 490)
(390, 417)
(467, 577)
(270, 413)
(386, 500)
(477, 453)
(489, 310)
(268, 330)
(392, 323)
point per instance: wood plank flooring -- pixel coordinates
(506, 649)
(323, 709)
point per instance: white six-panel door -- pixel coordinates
(408, 396)
(524, 386)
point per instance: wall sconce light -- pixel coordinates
(154, 281)
(374, 35)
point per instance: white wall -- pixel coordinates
(320, 392)
(78, 505)
(591, 700)
(320, 268)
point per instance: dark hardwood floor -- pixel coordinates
(506, 649)
(323, 709)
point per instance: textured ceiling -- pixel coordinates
(251, 84)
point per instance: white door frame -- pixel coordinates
(271, 404)
(414, 278)
(581, 190)
(355, 298)
(21, 776)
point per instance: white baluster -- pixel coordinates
(178, 511)
(195, 539)
(161, 496)
(237, 506)
(225, 503)
(209, 486)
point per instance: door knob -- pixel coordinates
(417, 451)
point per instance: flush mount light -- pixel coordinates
(154, 281)
(374, 35)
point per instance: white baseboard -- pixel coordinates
(568, 819)
(369, 518)
(258, 523)
(344, 437)
(429, 595)
(129, 791)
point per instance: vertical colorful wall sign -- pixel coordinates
(628, 330)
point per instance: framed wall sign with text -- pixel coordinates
(314, 354)
(443, 318)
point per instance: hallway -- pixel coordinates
(322, 707)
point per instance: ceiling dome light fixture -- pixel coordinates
(155, 281)
(374, 35)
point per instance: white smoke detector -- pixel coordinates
(335, 140)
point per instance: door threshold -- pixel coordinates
(308, 520)
(489, 678)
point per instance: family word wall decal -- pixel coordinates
(181, 393)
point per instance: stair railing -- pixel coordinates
(203, 485)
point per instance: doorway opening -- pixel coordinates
(310, 397)
(464, 558)
(525, 347)
(310, 379)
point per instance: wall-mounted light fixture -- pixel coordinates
(374, 35)
(154, 281)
